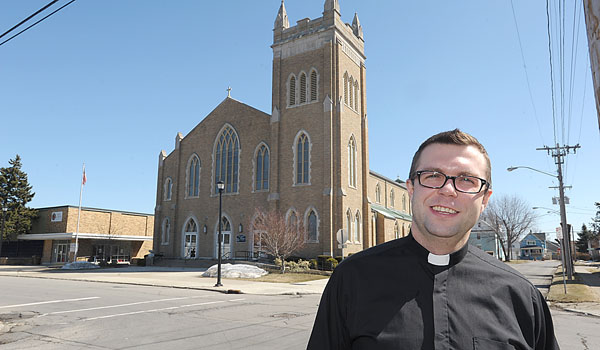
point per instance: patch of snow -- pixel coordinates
(235, 271)
(80, 265)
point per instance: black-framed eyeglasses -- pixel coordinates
(462, 183)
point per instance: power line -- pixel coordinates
(526, 74)
(28, 18)
(19, 33)
(551, 70)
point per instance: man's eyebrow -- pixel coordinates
(462, 173)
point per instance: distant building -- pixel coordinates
(533, 246)
(484, 238)
(307, 159)
(108, 235)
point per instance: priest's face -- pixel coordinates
(445, 215)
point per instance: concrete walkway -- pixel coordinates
(173, 277)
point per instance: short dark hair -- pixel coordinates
(452, 137)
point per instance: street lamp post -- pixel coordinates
(220, 187)
(563, 216)
(4, 210)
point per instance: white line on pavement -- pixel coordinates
(118, 305)
(161, 309)
(48, 302)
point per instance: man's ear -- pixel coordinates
(410, 188)
(486, 199)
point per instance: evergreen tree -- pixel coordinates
(15, 193)
(584, 236)
(596, 220)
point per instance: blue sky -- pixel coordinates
(110, 83)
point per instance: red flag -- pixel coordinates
(84, 180)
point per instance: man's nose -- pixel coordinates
(448, 189)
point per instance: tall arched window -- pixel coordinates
(397, 231)
(351, 92)
(356, 95)
(350, 231)
(313, 85)
(227, 159)
(357, 227)
(193, 177)
(292, 91)
(303, 88)
(392, 198)
(262, 169)
(168, 189)
(292, 218)
(302, 159)
(352, 162)
(312, 227)
(404, 202)
(377, 194)
(166, 231)
(346, 88)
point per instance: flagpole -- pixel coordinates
(79, 215)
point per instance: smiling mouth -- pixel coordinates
(441, 209)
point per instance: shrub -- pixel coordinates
(313, 264)
(333, 263)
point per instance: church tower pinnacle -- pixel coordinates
(282, 22)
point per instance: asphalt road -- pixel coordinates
(58, 314)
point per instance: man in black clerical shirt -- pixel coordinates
(430, 290)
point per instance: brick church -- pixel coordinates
(308, 158)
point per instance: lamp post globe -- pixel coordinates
(220, 187)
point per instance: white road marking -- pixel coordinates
(161, 309)
(113, 306)
(48, 302)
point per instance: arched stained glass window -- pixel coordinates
(404, 202)
(356, 95)
(312, 226)
(193, 177)
(392, 198)
(346, 88)
(350, 231)
(262, 169)
(377, 194)
(168, 189)
(351, 92)
(166, 231)
(302, 159)
(227, 160)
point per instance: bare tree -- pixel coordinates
(510, 217)
(276, 235)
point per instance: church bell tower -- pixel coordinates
(319, 144)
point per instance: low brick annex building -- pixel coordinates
(108, 235)
(307, 159)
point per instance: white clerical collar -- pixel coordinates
(438, 260)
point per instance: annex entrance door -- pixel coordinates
(61, 252)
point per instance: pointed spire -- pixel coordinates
(356, 27)
(282, 22)
(331, 5)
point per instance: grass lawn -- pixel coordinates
(577, 291)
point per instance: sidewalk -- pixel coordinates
(189, 278)
(592, 280)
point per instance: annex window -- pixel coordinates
(302, 159)
(312, 227)
(392, 198)
(193, 177)
(377, 194)
(166, 231)
(292, 91)
(404, 202)
(352, 162)
(168, 189)
(313, 85)
(302, 88)
(262, 169)
(227, 159)
(396, 230)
